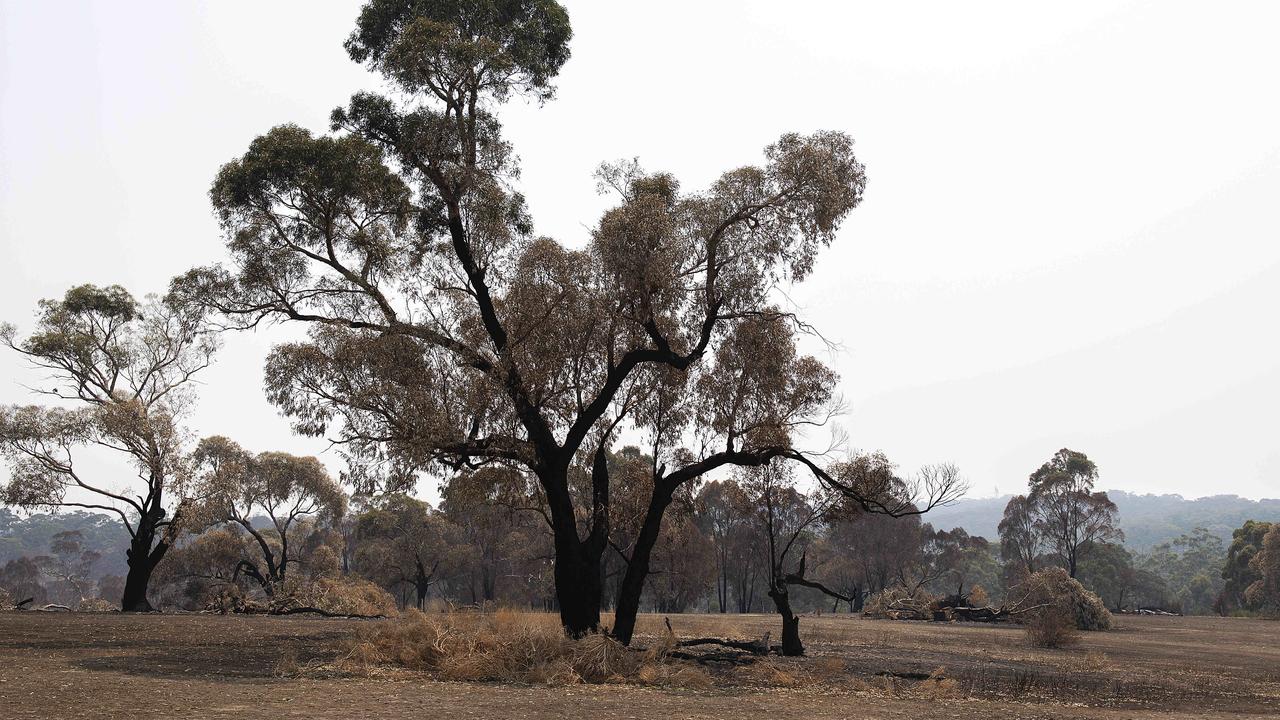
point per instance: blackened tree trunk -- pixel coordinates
(577, 577)
(791, 645)
(142, 560)
(632, 587)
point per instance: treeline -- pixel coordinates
(272, 528)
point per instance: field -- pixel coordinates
(204, 666)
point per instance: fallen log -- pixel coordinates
(710, 658)
(323, 613)
(755, 647)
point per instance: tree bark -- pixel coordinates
(632, 586)
(142, 560)
(791, 645)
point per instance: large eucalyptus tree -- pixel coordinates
(446, 336)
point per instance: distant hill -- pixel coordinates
(30, 535)
(1147, 520)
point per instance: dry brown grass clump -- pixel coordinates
(97, 605)
(1052, 627)
(502, 646)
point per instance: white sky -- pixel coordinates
(1069, 237)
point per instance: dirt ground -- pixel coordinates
(57, 665)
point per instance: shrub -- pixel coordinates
(6, 600)
(1052, 627)
(1055, 589)
(97, 605)
(340, 595)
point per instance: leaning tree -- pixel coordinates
(127, 367)
(446, 336)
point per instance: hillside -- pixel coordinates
(1147, 520)
(30, 535)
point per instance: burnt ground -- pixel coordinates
(86, 665)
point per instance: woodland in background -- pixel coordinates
(485, 547)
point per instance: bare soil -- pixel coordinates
(89, 665)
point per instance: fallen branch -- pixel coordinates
(323, 613)
(755, 647)
(709, 658)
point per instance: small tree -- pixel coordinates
(71, 564)
(235, 486)
(1240, 572)
(1019, 537)
(128, 367)
(790, 517)
(403, 542)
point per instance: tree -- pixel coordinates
(1060, 512)
(446, 337)
(203, 570)
(1019, 537)
(682, 564)
(22, 578)
(71, 565)
(789, 518)
(724, 515)
(1190, 566)
(404, 543)
(128, 366)
(1109, 571)
(1239, 572)
(1264, 593)
(234, 486)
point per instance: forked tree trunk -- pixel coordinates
(142, 560)
(791, 645)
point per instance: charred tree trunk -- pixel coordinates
(791, 645)
(137, 581)
(142, 561)
(577, 577)
(629, 593)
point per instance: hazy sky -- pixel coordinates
(1069, 236)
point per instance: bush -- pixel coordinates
(504, 646)
(338, 595)
(1064, 595)
(1052, 627)
(6, 600)
(97, 605)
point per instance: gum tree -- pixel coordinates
(123, 371)
(446, 336)
(234, 487)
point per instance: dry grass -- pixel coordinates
(503, 646)
(1187, 668)
(1052, 627)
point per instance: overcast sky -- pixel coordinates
(1069, 236)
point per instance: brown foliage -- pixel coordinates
(1060, 594)
(1052, 627)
